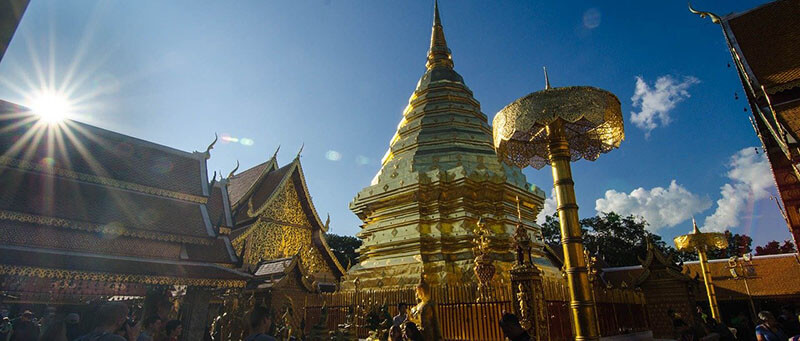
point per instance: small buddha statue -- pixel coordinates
(424, 313)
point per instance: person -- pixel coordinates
(112, 317)
(411, 332)
(682, 330)
(6, 329)
(769, 330)
(25, 329)
(396, 333)
(73, 322)
(54, 330)
(788, 320)
(173, 330)
(151, 326)
(512, 329)
(401, 315)
(424, 314)
(259, 323)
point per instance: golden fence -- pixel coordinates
(620, 311)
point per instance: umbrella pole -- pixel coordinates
(582, 306)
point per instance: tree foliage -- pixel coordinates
(614, 239)
(738, 244)
(344, 248)
(774, 248)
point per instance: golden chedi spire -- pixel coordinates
(439, 54)
(439, 174)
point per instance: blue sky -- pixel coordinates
(336, 76)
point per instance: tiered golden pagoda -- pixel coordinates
(438, 178)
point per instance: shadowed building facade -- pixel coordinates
(439, 176)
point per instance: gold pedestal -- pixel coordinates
(581, 303)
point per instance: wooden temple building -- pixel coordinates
(88, 214)
(764, 43)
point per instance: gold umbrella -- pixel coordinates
(557, 126)
(701, 242)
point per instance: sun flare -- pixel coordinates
(51, 107)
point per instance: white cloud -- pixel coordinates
(751, 181)
(660, 207)
(548, 208)
(656, 102)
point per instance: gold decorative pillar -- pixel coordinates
(701, 242)
(527, 287)
(557, 126)
(484, 263)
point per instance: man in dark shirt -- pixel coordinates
(259, 322)
(112, 317)
(25, 329)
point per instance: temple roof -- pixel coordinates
(772, 276)
(86, 193)
(769, 38)
(255, 187)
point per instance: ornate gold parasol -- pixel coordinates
(701, 242)
(557, 126)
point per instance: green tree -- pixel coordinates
(774, 248)
(344, 248)
(614, 239)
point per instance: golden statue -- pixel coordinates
(424, 313)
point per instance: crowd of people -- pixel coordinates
(111, 322)
(768, 328)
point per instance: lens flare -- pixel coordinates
(333, 155)
(51, 107)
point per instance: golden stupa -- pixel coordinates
(440, 175)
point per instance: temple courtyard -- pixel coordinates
(219, 171)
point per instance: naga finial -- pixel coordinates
(275, 154)
(213, 180)
(328, 222)
(714, 18)
(546, 79)
(211, 146)
(300, 151)
(230, 175)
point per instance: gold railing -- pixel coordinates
(462, 318)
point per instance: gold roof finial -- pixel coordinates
(439, 54)
(546, 79)
(694, 225)
(714, 18)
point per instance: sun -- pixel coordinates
(51, 107)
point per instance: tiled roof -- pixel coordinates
(775, 275)
(99, 152)
(769, 38)
(44, 195)
(239, 184)
(219, 251)
(33, 257)
(273, 267)
(269, 185)
(216, 206)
